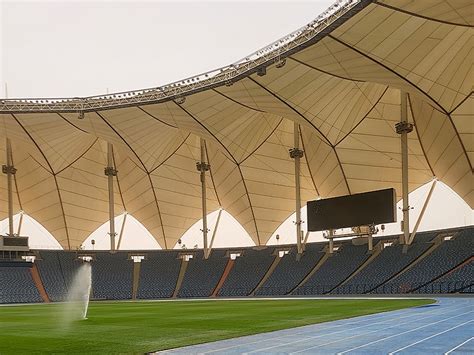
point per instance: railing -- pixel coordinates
(440, 287)
(360, 289)
(195, 292)
(313, 290)
(273, 290)
(447, 287)
(424, 288)
(235, 291)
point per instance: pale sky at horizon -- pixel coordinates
(70, 48)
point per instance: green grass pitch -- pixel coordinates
(138, 327)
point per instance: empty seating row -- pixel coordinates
(57, 270)
(202, 275)
(291, 270)
(335, 270)
(388, 263)
(247, 272)
(459, 280)
(158, 275)
(112, 276)
(443, 259)
(427, 266)
(16, 284)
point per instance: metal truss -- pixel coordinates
(274, 53)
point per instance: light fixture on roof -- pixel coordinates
(262, 71)
(180, 100)
(281, 63)
(81, 115)
(403, 127)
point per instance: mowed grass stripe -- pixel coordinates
(138, 327)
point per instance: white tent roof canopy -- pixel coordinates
(340, 78)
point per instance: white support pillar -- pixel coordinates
(403, 128)
(214, 232)
(370, 242)
(20, 223)
(202, 167)
(110, 172)
(305, 240)
(121, 230)
(296, 153)
(422, 213)
(331, 241)
(9, 170)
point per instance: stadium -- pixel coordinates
(371, 98)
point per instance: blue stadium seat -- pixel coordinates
(203, 275)
(112, 276)
(387, 264)
(57, 270)
(443, 259)
(335, 270)
(17, 285)
(247, 272)
(290, 271)
(158, 275)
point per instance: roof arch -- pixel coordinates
(339, 77)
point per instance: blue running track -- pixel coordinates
(446, 327)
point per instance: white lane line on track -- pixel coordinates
(382, 315)
(432, 336)
(447, 304)
(458, 346)
(363, 326)
(320, 325)
(405, 332)
(373, 331)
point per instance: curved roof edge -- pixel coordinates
(333, 17)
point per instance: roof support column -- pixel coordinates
(422, 213)
(296, 153)
(403, 128)
(20, 223)
(202, 167)
(9, 170)
(331, 241)
(122, 229)
(305, 240)
(110, 172)
(214, 233)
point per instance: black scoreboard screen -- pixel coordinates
(15, 241)
(374, 207)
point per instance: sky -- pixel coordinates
(68, 49)
(83, 48)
